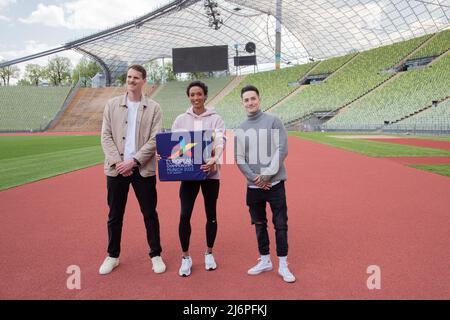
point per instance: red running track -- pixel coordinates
(421, 160)
(346, 212)
(434, 144)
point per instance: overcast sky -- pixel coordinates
(31, 26)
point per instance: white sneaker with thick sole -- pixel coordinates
(158, 264)
(210, 263)
(286, 274)
(108, 265)
(262, 266)
(185, 269)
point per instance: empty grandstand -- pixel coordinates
(356, 79)
(344, 64)
(29, 108)
(275, 85)
(439, 44)
(173, 99)
(84, 112)
(408, 93)
(435, 119)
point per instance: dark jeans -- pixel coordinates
(188, 193)
(256, 201)
(145, 190)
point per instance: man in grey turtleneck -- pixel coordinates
(261, 147)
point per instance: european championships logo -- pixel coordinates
(182, 153)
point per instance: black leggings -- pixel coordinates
(188, 193)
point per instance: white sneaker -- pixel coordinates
(185, 269)
(158, 264)
(210, 263)
(262, 266)
(108, 265)
(286, 274)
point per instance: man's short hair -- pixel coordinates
(249, 88)
(197, 84)
(140, 69)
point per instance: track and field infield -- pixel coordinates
(347, 212)
(26, 159)
(433, 144)
(415, 151)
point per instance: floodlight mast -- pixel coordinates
(278, 34)
(212, 11)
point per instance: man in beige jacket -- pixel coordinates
(130, 125)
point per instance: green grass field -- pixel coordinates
(443, 169)
(380, 149)
(372, 148)
(27, 159)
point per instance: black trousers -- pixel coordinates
(188, 193)
(256, 201)
(145, 191)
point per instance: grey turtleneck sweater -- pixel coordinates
(260, 148)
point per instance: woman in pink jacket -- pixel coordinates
(198, 118)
